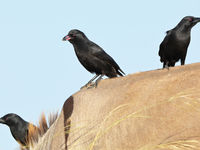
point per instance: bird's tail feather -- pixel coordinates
(120, 72)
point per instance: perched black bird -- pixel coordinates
(25, 133)
(93, 57)
(18, 127)
(175, 44)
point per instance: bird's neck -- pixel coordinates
(183, 34)
(80, 46)
(181, 28)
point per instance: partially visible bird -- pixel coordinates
(93, 57)
(25, 133)
(175, 44)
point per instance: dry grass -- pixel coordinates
(180, 145)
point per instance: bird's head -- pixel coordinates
(75, 36)
(189, 21)
(11, 119)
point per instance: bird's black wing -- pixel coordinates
(164, 43)
(101, 55)
(21, 135)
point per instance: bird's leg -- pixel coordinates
(90, 81)
(173, 64)
(96, 82)
(183, 61)
(166, 65)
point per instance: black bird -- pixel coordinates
(25, 133)
(175, 44)
(93, 57)
(18, 127)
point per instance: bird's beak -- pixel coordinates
(2, 121)
(196, 20)
(66, 38)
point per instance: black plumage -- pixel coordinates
(93, 57)
(18, 127)
(174, 46)
(25, 133)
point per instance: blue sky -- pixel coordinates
(39, 71)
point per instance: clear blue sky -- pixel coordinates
(39, 71)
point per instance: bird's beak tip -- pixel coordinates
(66, 38)
(197, 20)
(2, 121)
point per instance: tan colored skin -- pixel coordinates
(154, 110)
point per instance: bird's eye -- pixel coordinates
(190, 19)
(72, 35)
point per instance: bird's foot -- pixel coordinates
(92, 85)
(97, 81)
(166, 67)
(85, 86)
(88, 85)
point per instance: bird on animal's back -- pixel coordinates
(93, 57)
(175, 44)
(18, 127)
(25, 133)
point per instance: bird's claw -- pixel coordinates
(88, 86)
(165, 68)
(92, 85)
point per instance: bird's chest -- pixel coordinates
(82, 53)
(182, 40)
(178, 43)
(19, 134)
(86, 58)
